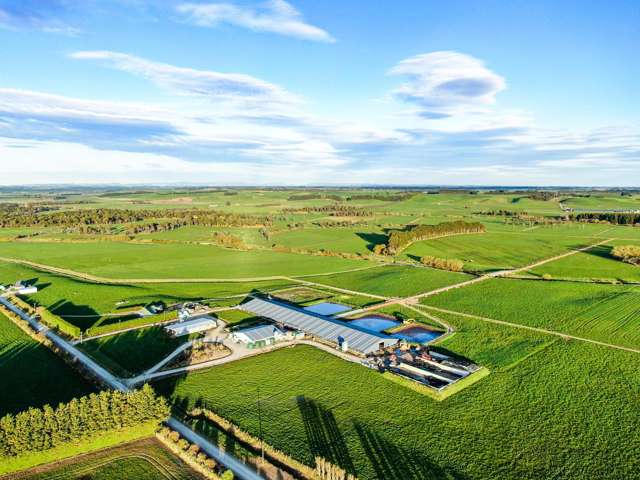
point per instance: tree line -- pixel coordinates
(401, 239)
(314, 196)
(384, 197)
(627, 253)
(617, 218)
(95, 219)
(501, 213)
(38, 429)
(333, 210)
(450, 264)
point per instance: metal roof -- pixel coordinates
(261, 332)
(358, 339)
(194, 325)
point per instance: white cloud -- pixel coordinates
(274, 16)
(246, 134)
(442, 84)
(189, 81)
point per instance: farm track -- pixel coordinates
(412, 300)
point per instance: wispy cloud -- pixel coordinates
(189, 81)
(253, 131)
(274, 16)
(442, 84)
(46, 16)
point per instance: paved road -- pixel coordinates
(240, 469)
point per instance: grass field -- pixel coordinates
(496, 251)
(87, 304)
(393, 281)
(512, 424)
(549, 407)
(32, 375)
(596, 263)
(332, 239)
(127, 260)
(607, 313)
(604, 202)
(129, 353)
(144, 459)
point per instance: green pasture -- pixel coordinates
(86, 304)
(594, 264)
(130, 353)
(32, 375)
(607, 313)
(128, 260)
(604, 202)
(512, 424)
(349, 240)
(496, 251)
(393, 280)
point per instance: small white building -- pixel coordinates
(259, 336)
(27, 290)
(194, 325)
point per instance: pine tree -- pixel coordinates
(49, 426)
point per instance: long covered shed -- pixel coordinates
(341, 333)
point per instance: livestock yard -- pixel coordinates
(414, 334)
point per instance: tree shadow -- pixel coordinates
(602, 251)
(372, 239)
(392, 461)
(323, 434)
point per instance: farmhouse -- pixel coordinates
(258, 336)
(195, 325)
(343, 335)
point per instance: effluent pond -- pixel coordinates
(375, 323)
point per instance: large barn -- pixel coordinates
(347, 337)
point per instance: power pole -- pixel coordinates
(260, 426)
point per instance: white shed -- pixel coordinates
(195, 325)
(27, 290)
(258, 336)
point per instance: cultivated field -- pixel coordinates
(144, 459)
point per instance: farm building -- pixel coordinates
(345, 336)
(258, 336)
(195, 325)
(27, 290)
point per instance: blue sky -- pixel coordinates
(332, 92)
